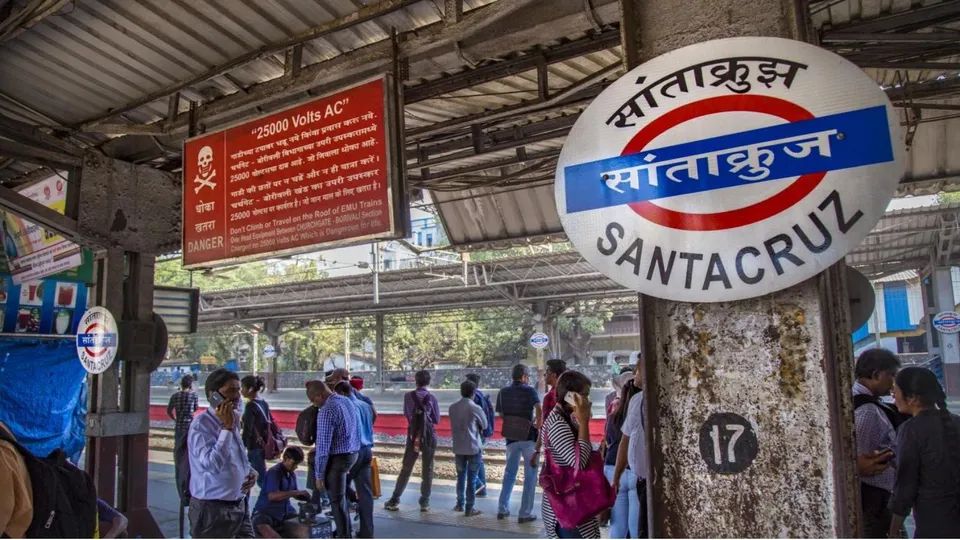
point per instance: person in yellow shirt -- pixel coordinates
(16, 492)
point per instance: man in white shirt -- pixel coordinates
(633, 450)
(220, 475)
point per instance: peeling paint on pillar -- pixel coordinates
(761, 359)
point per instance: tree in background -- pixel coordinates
(579, 324)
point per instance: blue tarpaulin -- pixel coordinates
(43, 394)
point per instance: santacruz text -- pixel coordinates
(751, 263)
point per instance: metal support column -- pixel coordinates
(346, 344)
(273, 331)
(104, 396)
(138, 331)
(776, 369)
(947, 345)
(380, 350)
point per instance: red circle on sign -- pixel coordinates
(730, 219)
(102, 349)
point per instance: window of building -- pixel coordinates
(387, 263)
(429, 240)
(419, 238)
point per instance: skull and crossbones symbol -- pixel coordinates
(205, 169)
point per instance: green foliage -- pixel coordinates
(469, 338)
(946, 198)
(579, 325)
(255, 274)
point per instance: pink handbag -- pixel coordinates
(576, 495)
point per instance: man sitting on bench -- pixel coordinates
(274, 515)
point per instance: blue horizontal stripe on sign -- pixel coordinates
(830, 143)
(97, 340)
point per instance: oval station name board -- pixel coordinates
(729, 169)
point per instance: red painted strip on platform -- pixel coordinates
(387, 423)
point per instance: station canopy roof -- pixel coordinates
(489, 95)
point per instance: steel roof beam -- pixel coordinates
(30, 134)
(17, 204)
(37, 156)
(906, 21)
(852, 37)
(928, 66)
(486, 166)
(926, 90)
(515, 66)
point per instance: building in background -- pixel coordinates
(899, 315)
(412, 252)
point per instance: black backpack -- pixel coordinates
(307, 425)
(892, 414)
(64, 497)
(419, 431)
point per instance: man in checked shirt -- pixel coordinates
(338, 442)
(876, 424)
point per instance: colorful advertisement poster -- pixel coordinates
(42, 306)
(309, 177)
(32, 252)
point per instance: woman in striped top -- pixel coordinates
(566, 436)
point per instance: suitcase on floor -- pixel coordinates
(375, 477)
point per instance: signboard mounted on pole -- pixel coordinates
(729, 169)
(324, 173)
(947, 322)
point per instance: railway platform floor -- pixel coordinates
(409, 522)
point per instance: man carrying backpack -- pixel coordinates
(423, 414)
(876, 425)
(16, 492)
(49, 497)
(483, 401)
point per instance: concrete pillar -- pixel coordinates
(765, 381)
(946, 345)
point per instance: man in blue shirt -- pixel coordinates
(338, 442)
(274, 515)
(342, 374)
(521, 414)
(360, 474)
(220, 475)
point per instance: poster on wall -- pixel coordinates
(31, 252)
(44, 306)
(316, 175)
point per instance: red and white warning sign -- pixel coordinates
(729, 169)
(316, 175)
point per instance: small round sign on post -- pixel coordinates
(947, 322)
(269, 351)
(97, 340)
(729, 169)
(728, 444)
(539, 340)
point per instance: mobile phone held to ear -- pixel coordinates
(570, 399)
(216, 399)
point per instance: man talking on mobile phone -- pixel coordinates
(220, 475)
(876, 425)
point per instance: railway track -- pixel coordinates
(162, 439)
